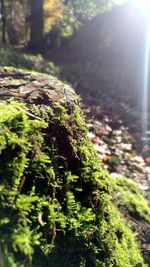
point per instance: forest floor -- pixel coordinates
(118, 143)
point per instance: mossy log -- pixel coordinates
(55, 205)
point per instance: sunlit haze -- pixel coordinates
(144, 5)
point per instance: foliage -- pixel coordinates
(53, 12)
(78, 11)
(55, 205)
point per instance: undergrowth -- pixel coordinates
(15, 58)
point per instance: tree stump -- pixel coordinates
(55, 208)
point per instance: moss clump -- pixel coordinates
(128, 197)
(55, 205)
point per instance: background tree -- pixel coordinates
(3, 19)
(36, 21)
(43, 14)
(17, 24)
(14, 25)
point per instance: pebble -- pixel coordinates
(138, 159)
(147, 169)
(91, 135)
(126, 147)
(139, 168)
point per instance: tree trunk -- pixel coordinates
(3, 14)
(36, 25)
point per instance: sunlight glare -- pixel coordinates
(143, 5)
(146, 89)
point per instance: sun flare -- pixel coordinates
(143, 4)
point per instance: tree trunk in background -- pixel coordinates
(36, 25)
(3, 14)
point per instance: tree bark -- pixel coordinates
(36, 25)
(3, 14)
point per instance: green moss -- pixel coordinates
(128, 197)
(55, 204)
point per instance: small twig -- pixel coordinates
(30, 114)
(40, 219)
(10, 99)
(60, 157)
(21, 184)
